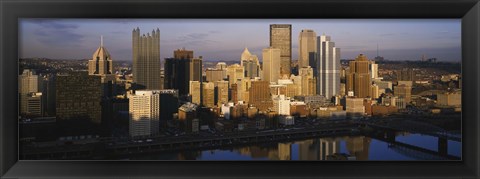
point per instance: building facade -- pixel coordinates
(328, 67)
(144, 110)
(281, 38)
(307, 45)
(146, 60)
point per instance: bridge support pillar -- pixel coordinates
(443, 146)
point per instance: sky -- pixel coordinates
(225, 39)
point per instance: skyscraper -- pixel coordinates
(250, 64)
(195, 92)
(221, 92)
(307, 81)
(260, 95)
(101, 62)
(235, 72)
(359, 77)
(328, 67)
(146, 60)
(144, 109)
(281, 38)
(79, 96)
(182, 69)
(28, 83)
(271, 67)
(307, 44)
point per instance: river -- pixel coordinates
(339, 148)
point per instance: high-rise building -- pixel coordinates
(403, 91)
(221, 92)
(146, 60)
(169, 104)
(260, 95)
(144, 109)
(222, 66)
(307, 81)
(235, 72)
(328, 67)
(281, 38)
(374, 70)
(34, 104)
(359, 77)
(183, 54)
(250, 64)
(101, 62)
(195, 69)
(28, 82)
(406, 74)
(271, 67)
(214, 74)
(307, 45)
(79, 96)
(180, 71)
(281, 105)
(208, 95)
(195, 88)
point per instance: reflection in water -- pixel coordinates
(332, 148)
(311, 149)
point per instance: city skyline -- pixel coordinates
(221, 40)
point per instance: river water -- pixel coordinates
(343, 147)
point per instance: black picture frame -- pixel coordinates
(467, 10)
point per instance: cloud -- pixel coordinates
(56, 34)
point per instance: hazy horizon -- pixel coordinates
(225, 39)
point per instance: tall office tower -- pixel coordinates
(28, 83)
(291, 89)
(281, 105)
(101, 62)
(260, 95)
(221, 92)
(281, 38)
(271, 67)
(222, 66)
(328, 67)
(234, 93)
(406, 74)
(307, 45)
(79, 96)
(169, 104)
(359, 77)
(404, 91)
(374, 70)
(183, 54)
(34, 104)
(181, 70)
(208, 95)
(214, 74)
(243, 85)
(250, 64)
(146, 59)
(307, 88)
(235, 72)
(195, 92)
(196, 67)
(144, 109)
(175, 71)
